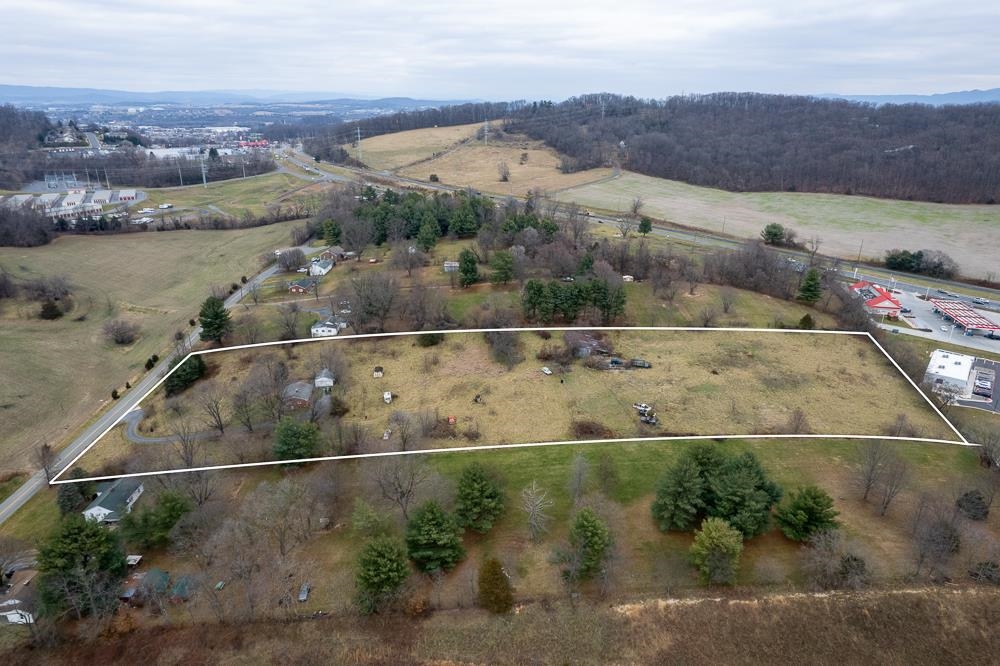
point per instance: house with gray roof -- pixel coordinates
(114, 500)
(297, 395)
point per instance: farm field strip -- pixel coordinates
(553, 441)
(841, 222)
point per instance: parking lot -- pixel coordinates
(931, 325)
(992, 404)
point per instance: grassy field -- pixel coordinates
(646, 561)
(475, 165)
(841, 222)
(230, 196)
(388, 152)
(56, 373)
(701, 383)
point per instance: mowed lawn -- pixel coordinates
(230, 196)
(841, 222)
(57, 373)
(392, 151)
(619, 484)
(475, 165)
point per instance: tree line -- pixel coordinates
(758, 142)
(20, 131)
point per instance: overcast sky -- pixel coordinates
(504, 50)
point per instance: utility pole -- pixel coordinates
(486, 133)
(359, 143)
(204, 179)
(243, 164)
(179, 174)
(107, 180)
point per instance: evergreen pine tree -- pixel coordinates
(468, 269)
(214, 319)
(433, 539)
(480, 501)
(811, 289)
(809, 510)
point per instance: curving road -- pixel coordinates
(120, 407)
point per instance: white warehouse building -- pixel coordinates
(949, 371)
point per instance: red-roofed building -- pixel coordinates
(878, 301)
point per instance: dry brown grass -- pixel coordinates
(701, 383)
(475, 165)
(392, 151)
(905, 627)
(57, 373)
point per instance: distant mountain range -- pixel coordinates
(939, 99)
(40, 95)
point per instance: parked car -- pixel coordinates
(906, 310)
(546, 371)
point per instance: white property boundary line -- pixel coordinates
(487, 447)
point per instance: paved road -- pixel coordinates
(119, 408)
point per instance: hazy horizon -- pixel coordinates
(520, 50)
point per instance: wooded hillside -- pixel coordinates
(755, 142)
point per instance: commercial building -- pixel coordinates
(949, 372)
(878, 300)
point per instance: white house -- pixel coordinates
(948, 371)
(324, 329)
(324, 379)
(114, 500)
(320, 268)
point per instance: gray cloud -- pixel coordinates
(513, 49)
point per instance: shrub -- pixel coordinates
(973, 505)
(591, 430)
(121, 332)
(434, 178)
(114, 394)
(430, 339)
(50, 310)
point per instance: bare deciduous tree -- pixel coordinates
(292, 259)
(243, 407)
(289, 317)
(874, 456)
(45, 458)
(625, 226)
(248, 330)
(894, 479)
(536, 504)
(212, 403)
(399, 479)
(728, 296)
(405, 429)
(121, 332)
(375, 294)
(579, 470)
(503, 170)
